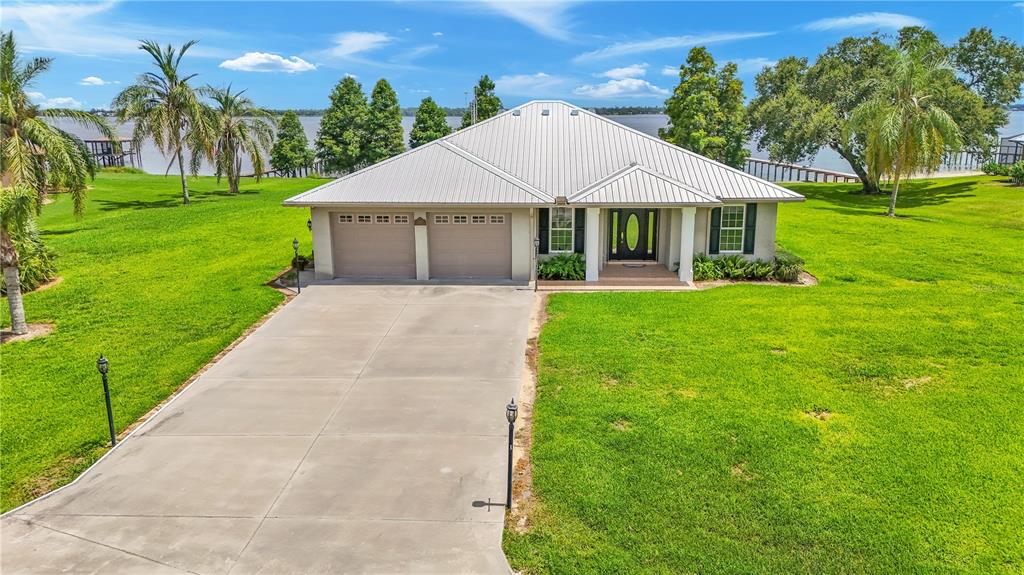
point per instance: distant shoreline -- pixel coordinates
(409, 112)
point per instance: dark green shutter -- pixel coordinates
(579, 233)
(749, 229)
(716, 230)
(542, 229)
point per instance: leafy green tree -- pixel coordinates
(342, 134)
(905, 130)
(167, 109)
(291, 150)
(241, 129)
(35, 158)
(800, 108)
(705, 112)
(384, 135)
(429, 125)
(487, 104)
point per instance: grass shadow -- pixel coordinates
(115, 205)
(913, 194)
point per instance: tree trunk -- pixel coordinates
(892, 198)
(14, 301)
(184, 183)
(870, 187)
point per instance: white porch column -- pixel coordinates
(592, 247)
(686, 244)
(421, 246)
(323, 251)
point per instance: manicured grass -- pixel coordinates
(158, 288)
(870, 424)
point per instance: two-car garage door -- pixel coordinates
(461, 245)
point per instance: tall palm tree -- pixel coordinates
(35, 158)
(166, 108)
(240, 129)
(906, 130)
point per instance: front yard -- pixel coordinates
(156, 287)
(870, 424)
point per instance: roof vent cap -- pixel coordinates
(516, 112)
(574, 113)
(545, 112)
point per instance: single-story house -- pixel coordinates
(541, 179)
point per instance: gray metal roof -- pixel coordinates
(529, 156)
(638, 185)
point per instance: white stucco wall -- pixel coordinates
(701, 229)
(522, 245)
(764, 241)
(323, 251)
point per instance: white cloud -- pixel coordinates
(267, 62)
(95, 81)
(752, 65)
(349, 44)
(665, 43)
(417, 52)
(437, 34)
(89, 29)
(624, 88)
(631, 71)
(1019, 5)
(538, 84)
(879, 20)
(670, 70)
(546, 17)
(59, 102)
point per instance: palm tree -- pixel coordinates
(35, 158)
(166, 108)
(241, 129)
(906, 130)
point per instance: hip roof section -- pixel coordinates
(540, 151)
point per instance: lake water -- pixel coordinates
(156, 163)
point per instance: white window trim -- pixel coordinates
(442, 219)
(359, 219)
(483, 219)
(455, 218)
(404, 219)
(572, 232)
(382, 218)
(742, 228)
(346, 218)
(496, 219)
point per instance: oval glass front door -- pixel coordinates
(632, 232)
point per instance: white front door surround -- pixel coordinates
(681, 234)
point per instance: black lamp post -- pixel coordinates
(102, 365)
(295, 264)
(511, 411)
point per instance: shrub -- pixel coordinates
(36, 261)
(705, 268)
(733, 267)
(759, 270)
(563, 267)
(787, 267)
(995, 169)
(1016, 173)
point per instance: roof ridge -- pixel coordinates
(589, 188)
(508, 177)
(690, 153)
(690, 188)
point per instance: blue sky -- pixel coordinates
(591, 53)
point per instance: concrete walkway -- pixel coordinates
(360, 430)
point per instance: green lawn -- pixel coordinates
(158, 287)
(677, 432)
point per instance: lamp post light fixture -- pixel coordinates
(295, 264)
(102, 366)
(511, 412)
(309, 225)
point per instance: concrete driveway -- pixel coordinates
(357, 430)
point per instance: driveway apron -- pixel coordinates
(359, 430)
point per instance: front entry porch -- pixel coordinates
(640, 244)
